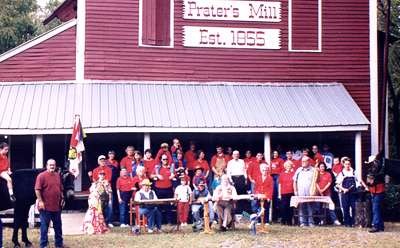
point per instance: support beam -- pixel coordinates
(39, 151)
(267, 147)
(358, 154)
(146, 141)
(373, 70)
(80, 42)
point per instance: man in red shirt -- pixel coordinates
(164, 150)
(101, 160)
(377, 190)
(127, 161)
(5, 170)
(253, 170)
(263, 186)
(163, 184)
(276, 169)
(219, 162)
(317, 155)
(124, 192)
(296, 163)
(286, 192)
(190, 157)
(49, 192)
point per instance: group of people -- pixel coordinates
(192, 181)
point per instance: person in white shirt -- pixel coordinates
(224, 195)
(347, 182)
(302, 180)
(183, 193)
(237, 173)
(151, 212)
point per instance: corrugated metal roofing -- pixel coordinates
(38, 108)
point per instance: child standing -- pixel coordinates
(183, 194)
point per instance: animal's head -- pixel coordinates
(68, 183)
(373, 169)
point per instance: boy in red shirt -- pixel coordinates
(5, 170)
(286, 192)
(124, 191)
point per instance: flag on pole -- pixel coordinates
(76, 147)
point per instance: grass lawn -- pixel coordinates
(279, 236)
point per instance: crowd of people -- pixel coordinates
(193, 183)
(189, 178)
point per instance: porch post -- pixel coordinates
(267, 147)
(146, 141)
(358, 155)
(39, 151)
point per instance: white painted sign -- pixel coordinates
(257, 11)
(224, 37)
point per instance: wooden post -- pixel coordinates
(206, 214)
(39, 151)
(262, 229)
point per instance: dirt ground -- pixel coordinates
(278, 236)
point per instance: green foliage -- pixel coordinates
(392, 202)
(21, 20)
(16, 22)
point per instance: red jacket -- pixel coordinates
(264, 187)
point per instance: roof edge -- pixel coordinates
(37, 40)
(349, 128)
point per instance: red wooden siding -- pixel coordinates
(112, 50)
(53, 59)
(305, 24)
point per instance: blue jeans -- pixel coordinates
(348, 201)
(306, 213)
(166, 209)
(275, 204)
(55, 217)
(196, 208)
(107, 211)
(153, 216)
(124, 206)
(1, 234)
(377, 221)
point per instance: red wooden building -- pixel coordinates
(269, 70)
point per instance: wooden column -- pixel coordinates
(39, 151)
(358, 154)
(146, 141)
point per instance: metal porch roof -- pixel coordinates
(104, 106)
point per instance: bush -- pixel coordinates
(391, 205)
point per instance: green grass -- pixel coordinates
(279, 236)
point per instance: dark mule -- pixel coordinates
(24, 191)
(380, 167)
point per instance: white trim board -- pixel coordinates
(290, 21)
(171, 26)
(187, 130)
(373, 74)
(80, 41)
(37, 40)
